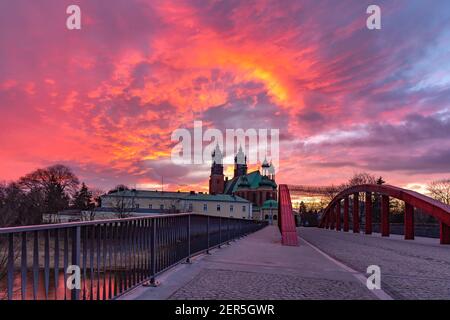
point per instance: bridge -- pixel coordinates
(191, 256)
(311, 191)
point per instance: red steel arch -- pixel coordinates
(332, 214)
(286, 220)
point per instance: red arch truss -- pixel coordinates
(332, 216)
(286, 220)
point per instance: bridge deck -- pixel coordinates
(410, 269)
(258, 267)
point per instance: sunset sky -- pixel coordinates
(105, 99)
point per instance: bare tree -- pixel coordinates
(57, 183)
(123, 205)
(440, 190)
(362, 178)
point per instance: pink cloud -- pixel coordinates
(106, 99)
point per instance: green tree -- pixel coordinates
(18, 207)
(83, 198)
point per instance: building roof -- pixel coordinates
(177, 196)
(147, 194)
(268, 204)
(216, 197)
(253, 180)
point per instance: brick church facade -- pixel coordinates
(258, 187)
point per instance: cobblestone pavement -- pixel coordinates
(239, 285)
(258, 267)
(409, 269)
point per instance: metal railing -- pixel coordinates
(112, 256)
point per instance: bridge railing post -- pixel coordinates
(76, 246)
(444, 233)
(368, 212)
(188, 227)
(207, 235)
(153, 252)
(346, 205)
(332, 216)
(228, 231)
(329, 219)
(409, 222)
(338, 216)
(220, 232)
(385, 216)
(356, 212)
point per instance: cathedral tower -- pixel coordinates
(216, 179)
(240, 163)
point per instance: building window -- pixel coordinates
(274, 217)
(190, 207)
(218, 207)
(161, 207)
(231, 208)
(136, 205)
(244, 208)
(150, 206)
(205, 207)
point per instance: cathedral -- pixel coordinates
(257, 187)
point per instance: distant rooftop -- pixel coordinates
(177, 195)
(252, 180)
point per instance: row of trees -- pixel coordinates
(44, 191)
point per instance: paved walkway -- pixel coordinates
(413, 269)
(258, 267)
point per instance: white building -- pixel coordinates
(141, 202)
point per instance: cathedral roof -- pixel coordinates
(254, 180)
(265, 181)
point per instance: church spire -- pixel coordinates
(216, 179)
(217, 156)
(240, 163)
